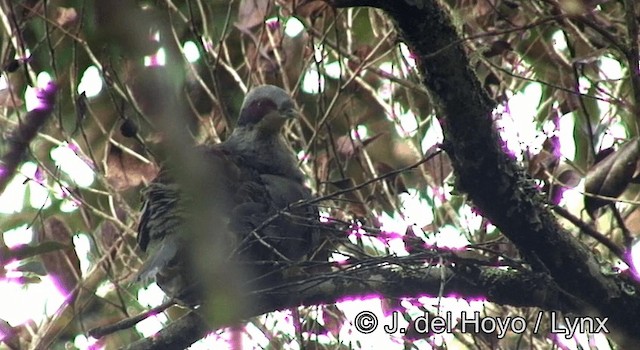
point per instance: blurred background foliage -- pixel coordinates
(558, 70)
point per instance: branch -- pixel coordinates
(632, 53)
(101, 331)
(368, 182)
(390, 280)
(493, 181)
(615, 249)
(26, 131)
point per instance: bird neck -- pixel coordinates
(267, 153)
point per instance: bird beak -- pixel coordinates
(291, 113)
(274, 121)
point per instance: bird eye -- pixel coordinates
(255, 111)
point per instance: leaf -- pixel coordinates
(252, 13)
(544, 162)
(334, 319)
(8, 335)
(66, 15)
(412, 243)
(309, 8)
(33, 267)
(438, 167)
(611, 176)
(632, 222)
(8, 99)
(348, 147)
(62, 264)
(391, 305)
(322, 167)
(497, 48)
(395, 182)
(567, 177)
(125, 170)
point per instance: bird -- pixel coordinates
(257, 178)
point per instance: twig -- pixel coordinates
(129, 322)
(626, 234)
(632, 53)
(366, 183)
(615, 249)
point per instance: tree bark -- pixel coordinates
(498, 187)
(391, 280)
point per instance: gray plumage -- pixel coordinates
(258, 176)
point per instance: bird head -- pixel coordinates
(266, 108)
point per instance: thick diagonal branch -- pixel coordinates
(494, 182)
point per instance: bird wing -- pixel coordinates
(292, 230)
(161, 230)
(256, 213)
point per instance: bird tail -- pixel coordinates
(158, 259)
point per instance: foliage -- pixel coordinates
(369, 139)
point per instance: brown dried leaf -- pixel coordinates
(66, 15)
(8, 335)
(611, 176)
(63, 264)
(125, 170)
(395, 182)
(252, 13)
(439, 167)
(565, 177)
(356, 209)
(310, 8)
(568, 176)
(311, 325)
(391, 305)
(412, 243)
(322, 167)
(497, 48)
(361, 53)
(10, 100)
(544, 162)
(632, 222)
(108, 234)
(348, 147)
(333, 319)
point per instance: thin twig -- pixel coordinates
(129, 322)
(614, 248)
(366, 183)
